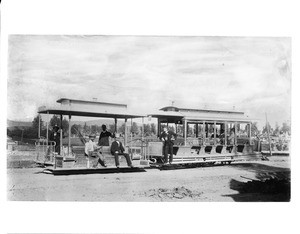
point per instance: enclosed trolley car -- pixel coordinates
(202, 136)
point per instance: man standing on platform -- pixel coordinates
(168, 137)
(55, 136)
(104, 137)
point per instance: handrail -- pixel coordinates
(47, 148)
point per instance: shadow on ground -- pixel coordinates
(270, 184)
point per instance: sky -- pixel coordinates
(251, 74)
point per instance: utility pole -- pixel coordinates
(268, 131)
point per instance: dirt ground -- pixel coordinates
(240, 181)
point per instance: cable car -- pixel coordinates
(204, 136)
(71, 156)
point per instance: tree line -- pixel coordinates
(30, 134)
(135, 129)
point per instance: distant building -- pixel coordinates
(10, 144)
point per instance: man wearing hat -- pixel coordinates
(55, 136)
(117, 149)
(92, 150)
(168, 137)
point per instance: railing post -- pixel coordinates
(185, 131)
(54, 161)
(69, 140)
(235, 136)
(54, 155)
(37, 148)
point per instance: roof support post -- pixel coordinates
(215, 132)
(250, 125)
(131, 133)
(185, 131)
(61, 137)
(143, 153)
(47, 137)
(235, 135)
(158, 127)
(125, 134)
(203, 133)
(131, 127)
(225, 134)
(197, 129)
(39, 133)
(116, 129)
(69, 140)
(142, 128)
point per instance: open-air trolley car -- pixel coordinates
(202, 136)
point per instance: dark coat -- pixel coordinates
(168, 137)
(55, 137)
(116, 147)
(103, 139)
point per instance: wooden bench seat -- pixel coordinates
(81, 159)
(204, 156)
(228, 159)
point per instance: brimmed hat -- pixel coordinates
(55, 126)
(92, 136)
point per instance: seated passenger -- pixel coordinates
(222, 137)
(213, 135)
(104, 137)
(92, 150)
(117, 149)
